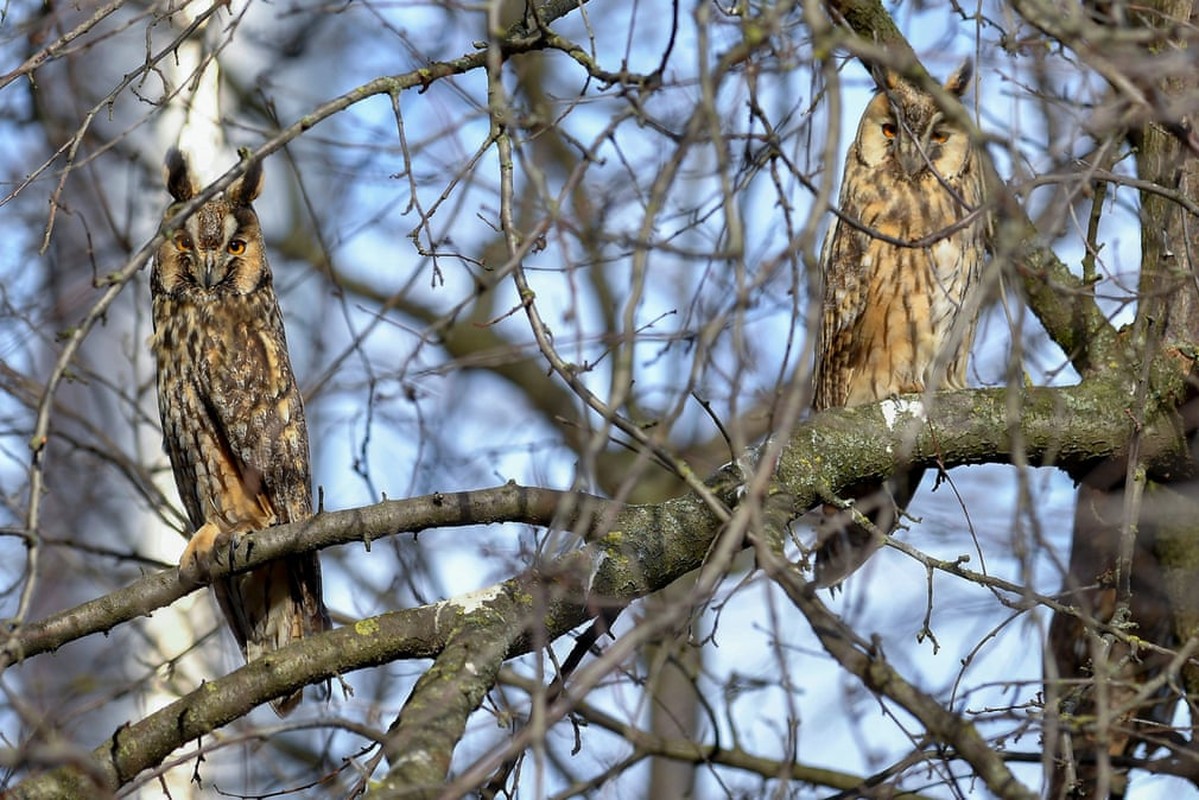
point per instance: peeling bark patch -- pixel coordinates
(897, 408)
(472, 601)
(597, 563)
(419, 757)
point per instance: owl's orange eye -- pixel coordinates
(889, 130)
(183, 242)
(940, 137)
(236, 247)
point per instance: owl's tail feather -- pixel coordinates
(272, 607)
(842, 545)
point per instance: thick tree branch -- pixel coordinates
(510, 503)
(637, 549)
(558, 596)
(421, 742)
(1073, 428)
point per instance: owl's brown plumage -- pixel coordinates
(232, 417)
(899, 265)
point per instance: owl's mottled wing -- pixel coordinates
(253, 401)
(256, 410)
(845, 296)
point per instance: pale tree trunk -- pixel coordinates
(159, 661)
(191, 122)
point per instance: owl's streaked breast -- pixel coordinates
(218, 351)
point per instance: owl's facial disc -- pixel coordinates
(212, 246)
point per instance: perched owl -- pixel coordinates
(901, 266)
(232, 419)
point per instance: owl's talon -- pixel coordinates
(203, 552)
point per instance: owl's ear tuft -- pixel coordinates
(885, 78)
(178, 176)
(959, 81)
(245, 189)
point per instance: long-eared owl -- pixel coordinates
(232, 418)
(901, 267)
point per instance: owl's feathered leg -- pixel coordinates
(266, 609)
(200, 554)
(843, 545)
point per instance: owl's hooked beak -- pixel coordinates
(911, 159)
(211, 271)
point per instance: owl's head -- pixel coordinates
(904, 128)
(218, 250)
